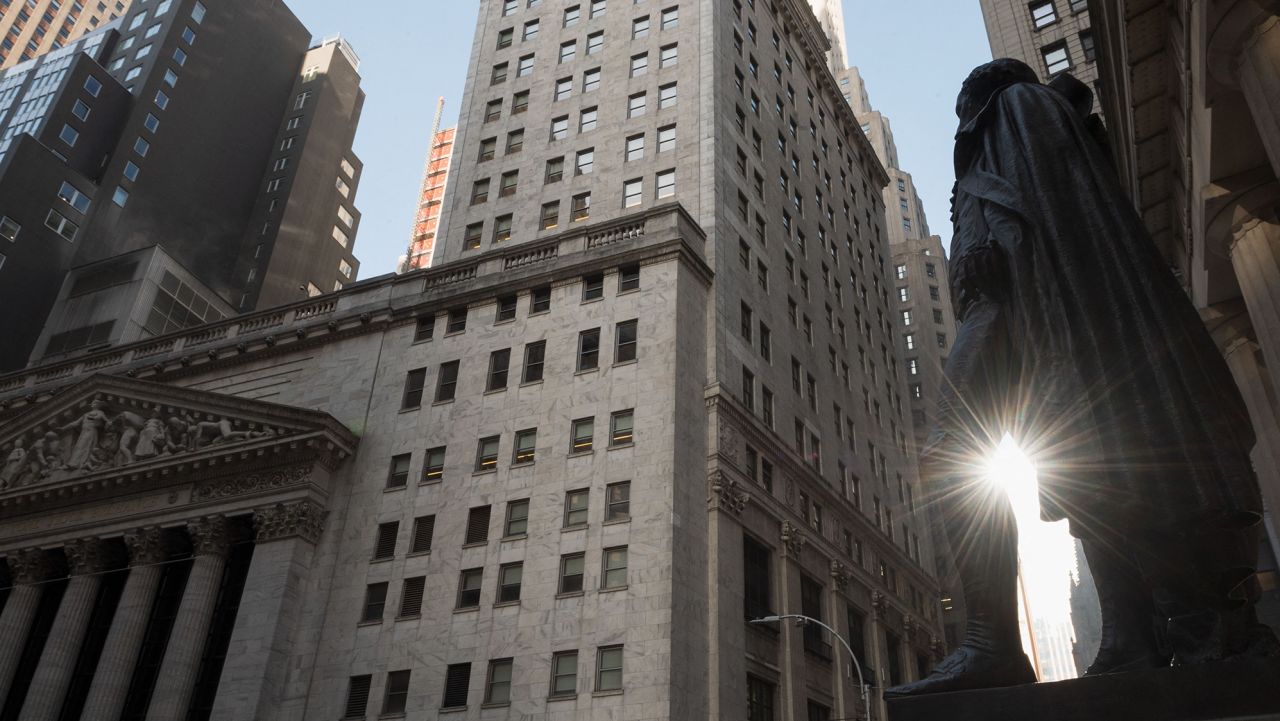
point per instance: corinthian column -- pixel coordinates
(29, 568)
(254, 673)
(181, 663)
(87, 559)
(128, 627)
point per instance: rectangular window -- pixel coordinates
(632, 193)
(411, 596)
(640, 27)
(509, 578)
(469, 588)
(564, 674)
(433, 465)
(524, 66)
(498, 74)
(9, 229)
(549, 217)
(447, 381)
(581, 208)
(757, 579)
(358, 697)
(457, 678)
(540, 301)
(1043, 14)
(635, 147)
(625, 341)
(499, 362)
(563, 89)
(666, 185)
(639, 64)
(593, 286)
(424, 528)
(613, 573)
(519, 103)
(69, 135)
(560, 128)
(413, 385)
(534, 355)
(568, 50)
(589, 349)
(575, 508)
(617, 501)
(595, 42)
(636, 105)
(628, 278)
(1056, 59)
(398, 472)
(555, 170)
(571, 566)
(375, 603)
(396, 696)
(667, 95)
(525, 446)
(492, 111)
(517, 523)
(487, 453)
(668, 55)
(583, 435)
(621, 430)
(585, 161)
(572, 16)
(384, 546)
(506, 309)
(666, 138)
(498, 687)
(609, 668)
(759, 699)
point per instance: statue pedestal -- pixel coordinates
(1235, 691)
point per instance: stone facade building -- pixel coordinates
(1189, 97)
(1052, 36)
(683, 410)
(33, 28)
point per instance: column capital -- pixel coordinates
(146, 546)
(304, 519)
(209, 535)
(87, 556)
(31, 565)
(793, 540)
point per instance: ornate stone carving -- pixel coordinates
(209, 535)
(87, 555)
(255, 482)
(114, 433)
(909, 624)
(146, 546)
(879, 605)
(725, 494)
(840, 574)
(30, 565)
(793, 540)
(304, 519)
(728, 444)
(936, 647)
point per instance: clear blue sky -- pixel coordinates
(912, 53)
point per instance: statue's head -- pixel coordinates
(985, 80)
(96, 405)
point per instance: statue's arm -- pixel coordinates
(977, 263)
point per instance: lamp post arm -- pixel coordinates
(862, 684)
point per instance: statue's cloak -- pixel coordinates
(1136, 415)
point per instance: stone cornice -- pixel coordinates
(376, 305)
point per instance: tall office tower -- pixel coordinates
(923, 314)
(34, 27)
(830, 14)
(431, 199)
(687, 413)
(1051, 36)
(184, 162)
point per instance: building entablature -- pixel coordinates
(374, 306)
(111, 455)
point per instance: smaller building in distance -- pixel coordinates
(35, 27)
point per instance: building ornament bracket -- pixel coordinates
(840, 574)
(726, 494)
(303, 519)
(879, 605)
(793, 540)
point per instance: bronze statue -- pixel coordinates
(1077, 338)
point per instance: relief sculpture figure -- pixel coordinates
(88, 428)
(1077, 339)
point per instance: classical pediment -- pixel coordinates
(108, 426)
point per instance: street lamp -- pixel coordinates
(862, 684)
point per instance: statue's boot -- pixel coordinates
(1208, 595)
(1128, 613)
(984, 537)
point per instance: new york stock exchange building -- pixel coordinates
(501, 488)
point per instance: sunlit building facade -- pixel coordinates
(1052, 36)
(29, 28)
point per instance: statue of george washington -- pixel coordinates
(1078, 339)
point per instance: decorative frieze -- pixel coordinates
(254, 483)
(726, 494)
(304, 519)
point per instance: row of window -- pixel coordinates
(497, 686)
(524, 452)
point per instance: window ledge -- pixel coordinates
(585, 371)
(495, 391)
(414, 617)
(563, 697)
(469, 609)
(575, 527)
(392, 715)
(420, 342)
(523, 464)
(392, 489)
(629, 290)
(495, 705)
(381, 560)
(507, 321)
(571, 594)
(614, 589)
(575, 454)
(453, 709)
(592, 300)
(631, 362)
(507, 604)
(486, 472)
(617, 521)
(533, 313)
(477, 544)
(455, 332)
(622, 445)
(517, 537)
(362, 624)
(411, 409)
(599, 694)
(441, 403)
(527, 384)
(431, 482)
(419, 553)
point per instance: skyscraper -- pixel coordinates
(149, 134)
(682, 409)
(1052, 36)
(35, 27)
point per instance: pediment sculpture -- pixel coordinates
(102, 428)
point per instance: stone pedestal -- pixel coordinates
(1235, 691)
